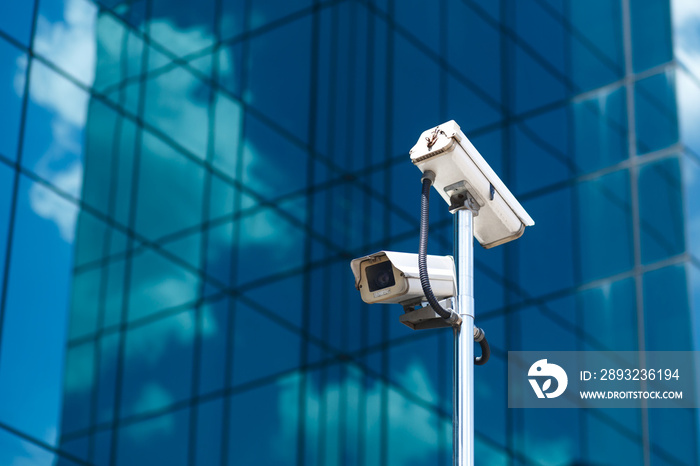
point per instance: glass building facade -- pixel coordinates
(183, 185)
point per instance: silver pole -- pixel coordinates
(463, 373)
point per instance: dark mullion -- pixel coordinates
(307, 282)
(138, 144)
(104, 277)
(235, 247)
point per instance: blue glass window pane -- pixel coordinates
(414, 369)
(540, 27)
(489, 278)
(656, 113)
(272, 165)
(486, 452)
(6, 186)
(220, 254)
(17, 451)
(159, 440)
(232, 18)
(253, 412)
(694, 274)
(227, 128)
(597, 56)
(600, 130)
(158, 283)
(34, 327)
(491, 412)
(541, 152)
(177, 105)
(610, 315)
(282, 52)
(16, 20)
(85, 302)
(666, 310)
(12, 77)
(545, 252)
(115, 293)
(118, 73)
(413, 432)
(55, 122)
(214, 328)
(416, 77)
(673, 445)
(607, 443)
(209, 427)
(78, 387)
(605, 251)
(292, 288)
(252, 332)
(537, 83)
(469, 107)
(691, 196)
(186, 247)
(543, 431)
(91, 236)
(107, 383)
(549, 326)
(688, 95)
(651, 33)
(269, 244)
(77, 447)
(487, 7)
(103, 448)
(102, 153)
(124, 177)
(183, 29)
(170, 190)
(133, 13)
(158, 364)
(266, 11)
(111, 56)
(662, 226)
(423, 24)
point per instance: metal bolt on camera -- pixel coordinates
(438, 291)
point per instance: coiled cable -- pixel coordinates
(479, 335)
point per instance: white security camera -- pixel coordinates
(463, 176)
(392, 277)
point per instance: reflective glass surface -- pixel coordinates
(656, 112)
(183, 185)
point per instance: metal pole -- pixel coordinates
(463, 373)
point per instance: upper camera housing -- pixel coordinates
(463, 176)
(392, 277)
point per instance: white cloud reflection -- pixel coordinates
(413, 427)
(70, 44)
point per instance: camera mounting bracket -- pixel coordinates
(461, 198)
(425, 318)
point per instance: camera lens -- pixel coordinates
(385, 279)
(380, 276)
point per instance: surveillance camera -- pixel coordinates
(462, 175)
(392, 277)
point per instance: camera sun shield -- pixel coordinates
(461, 171)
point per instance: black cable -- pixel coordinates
(423, 248)
(480, 337)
